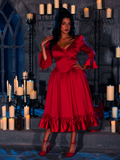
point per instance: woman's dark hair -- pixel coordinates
(62, 13)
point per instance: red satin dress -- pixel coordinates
(68, 105)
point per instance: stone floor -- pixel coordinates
(31, 153)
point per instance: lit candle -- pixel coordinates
(11, 111)
(4, 123)
(65, 5)
(10, 90)
(25, 75)
(110, 93)
(26, 111)
(72, 9)
(20, 91)
(86, 12)
(114, 112)
(49, 8)
(30, 16)
(7, 88)
(41, 9)
(3, 111)
(56, 3)
(27, 121)
(109, 13)
(11, 124)
(99, 4)
(118, 52)
(33, 94)
(30, 86)
(1, 123)
(113, 126)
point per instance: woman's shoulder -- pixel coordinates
(79, 38)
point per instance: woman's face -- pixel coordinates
(66, 25)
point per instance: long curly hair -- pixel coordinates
(62, 13)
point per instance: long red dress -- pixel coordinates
(68, 105)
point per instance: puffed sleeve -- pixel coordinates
(90, 61)
(45, 64)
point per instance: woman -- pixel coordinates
(68, 105)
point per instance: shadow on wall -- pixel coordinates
(42, 91)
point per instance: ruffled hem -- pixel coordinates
(68, 124)
(91, 63)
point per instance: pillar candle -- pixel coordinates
(110, 93)
(33, 94)
(30, 86)
(20, 91)
(11, 111)
(113, 126)
(41, 9)
(25, 75)
(99, 4)
(86, 12)
(7, 88)
(118, 52)
(10, 90)
(26, 111)
(72, 9)
(27, 122)
(30, 16)
(4, 123)
(109, 13)
(65, 5)
(11, 124)
(114, 112)
(56, 3)
(3, 111)
(1, 123)
(49, 8)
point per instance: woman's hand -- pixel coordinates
(78, 66)
(45, 40)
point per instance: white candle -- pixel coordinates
(86, 12)
(7, 88)
(26, 111)
(3, 111)
(109, 13)
(1, 123)
(114, 112)
(30, 16)
(49, 8)
(11, 124)
(11, 111)
(33, 94)
(30, 86)
(118, 52)
(99, 4)
(110, 93)
(10, 90)
(4, 123)
(41, 9)
(56, 3)
(27, 122)
(25, 75)
(20, 91)
(72, 9)
(113, 126)
(65, 5)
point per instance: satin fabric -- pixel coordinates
(68, 105)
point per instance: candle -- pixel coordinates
(99, 4)
(25, 75)
(113, 126)
(27, 121)
(33, 94)
(118, 52)
(86, 12)
(30, 86)
(110, 93)
(30, 16)
(49, 8)
(10, 89)
(15, 85)
(4, 123)
(56, 3)
(7, 88)
(20, 91)
(41, 9)
(26, 111)
(1, 123)
(3, 111)
(11, 124)
(65, 5)
(109, 13)
(11, 111)
(114, 112)
(72, 9)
